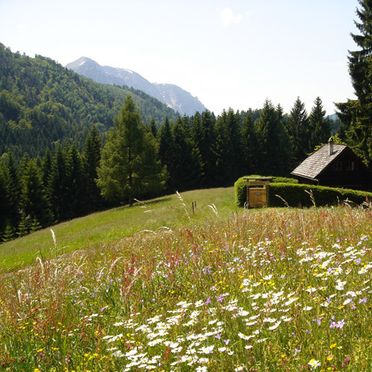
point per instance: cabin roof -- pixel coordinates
(313, 165)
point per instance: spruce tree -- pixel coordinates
(271, 141)
(124, 172)
(249, 145)
(167, 152)
(298, 132)
(92, 157)
(76, 183)
(356, 114)
(12, 190)
(34, 203)
(228, 147)
(204, 141)
(58, 186)
(186, 159)
(318, 124)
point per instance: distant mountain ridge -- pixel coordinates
(43, 104)
(172, 95)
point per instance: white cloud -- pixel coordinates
(228, 17)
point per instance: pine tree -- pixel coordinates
(34, 225)
(153, 128)
(58, 186)
(8, 233)
(34, 203)
(167, 153)
(13, 190)
(92, 157)
(319, 126)
(298, 131)
(228, 147)
(123, 174)
(203, 139)
(23, 226)
(356, 114)
(249, 145)
(186, 169)
(271, 141)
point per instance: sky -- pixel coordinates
(230, 54)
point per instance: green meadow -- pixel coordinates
(162, 287)
(100, 228)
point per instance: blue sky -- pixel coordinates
(227, 53)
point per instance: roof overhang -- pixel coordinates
(303, 176)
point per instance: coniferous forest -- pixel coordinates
(70, 146)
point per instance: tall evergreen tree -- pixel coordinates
(228, 147)
(12, 189)
(92, 157)
(204, 138)
(122, 169)
(298, 131)
(319, 126)
(186, 169)
(33, 200)
(76, 183)
(271, 141)
(167, 152)
(356, 114)
(249, 144)
(58, 186)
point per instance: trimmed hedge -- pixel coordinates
(240, 189)
(302, 195)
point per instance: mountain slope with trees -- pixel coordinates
(43, 103)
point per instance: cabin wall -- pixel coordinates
(346, 171)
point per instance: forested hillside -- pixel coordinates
(43, 103)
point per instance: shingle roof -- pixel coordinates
(313, 165)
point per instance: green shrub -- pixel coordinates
(282, 192)
(240, 187)
(304, 195)
(284, 180)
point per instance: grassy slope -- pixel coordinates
(104, 227)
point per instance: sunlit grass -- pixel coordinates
(108, 226)
(273, 289)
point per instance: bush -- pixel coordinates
(301, 195)
(284, 180)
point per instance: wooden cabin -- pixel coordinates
(334, 165)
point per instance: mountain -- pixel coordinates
(172, 95)
(43, 103)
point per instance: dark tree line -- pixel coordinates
(356, 114)
(140, 161)
(38, 192)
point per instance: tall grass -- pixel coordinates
(115, 224)
(274, 289)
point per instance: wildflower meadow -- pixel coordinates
(274, 289)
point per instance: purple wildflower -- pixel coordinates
(338, 325)
(208, 301)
